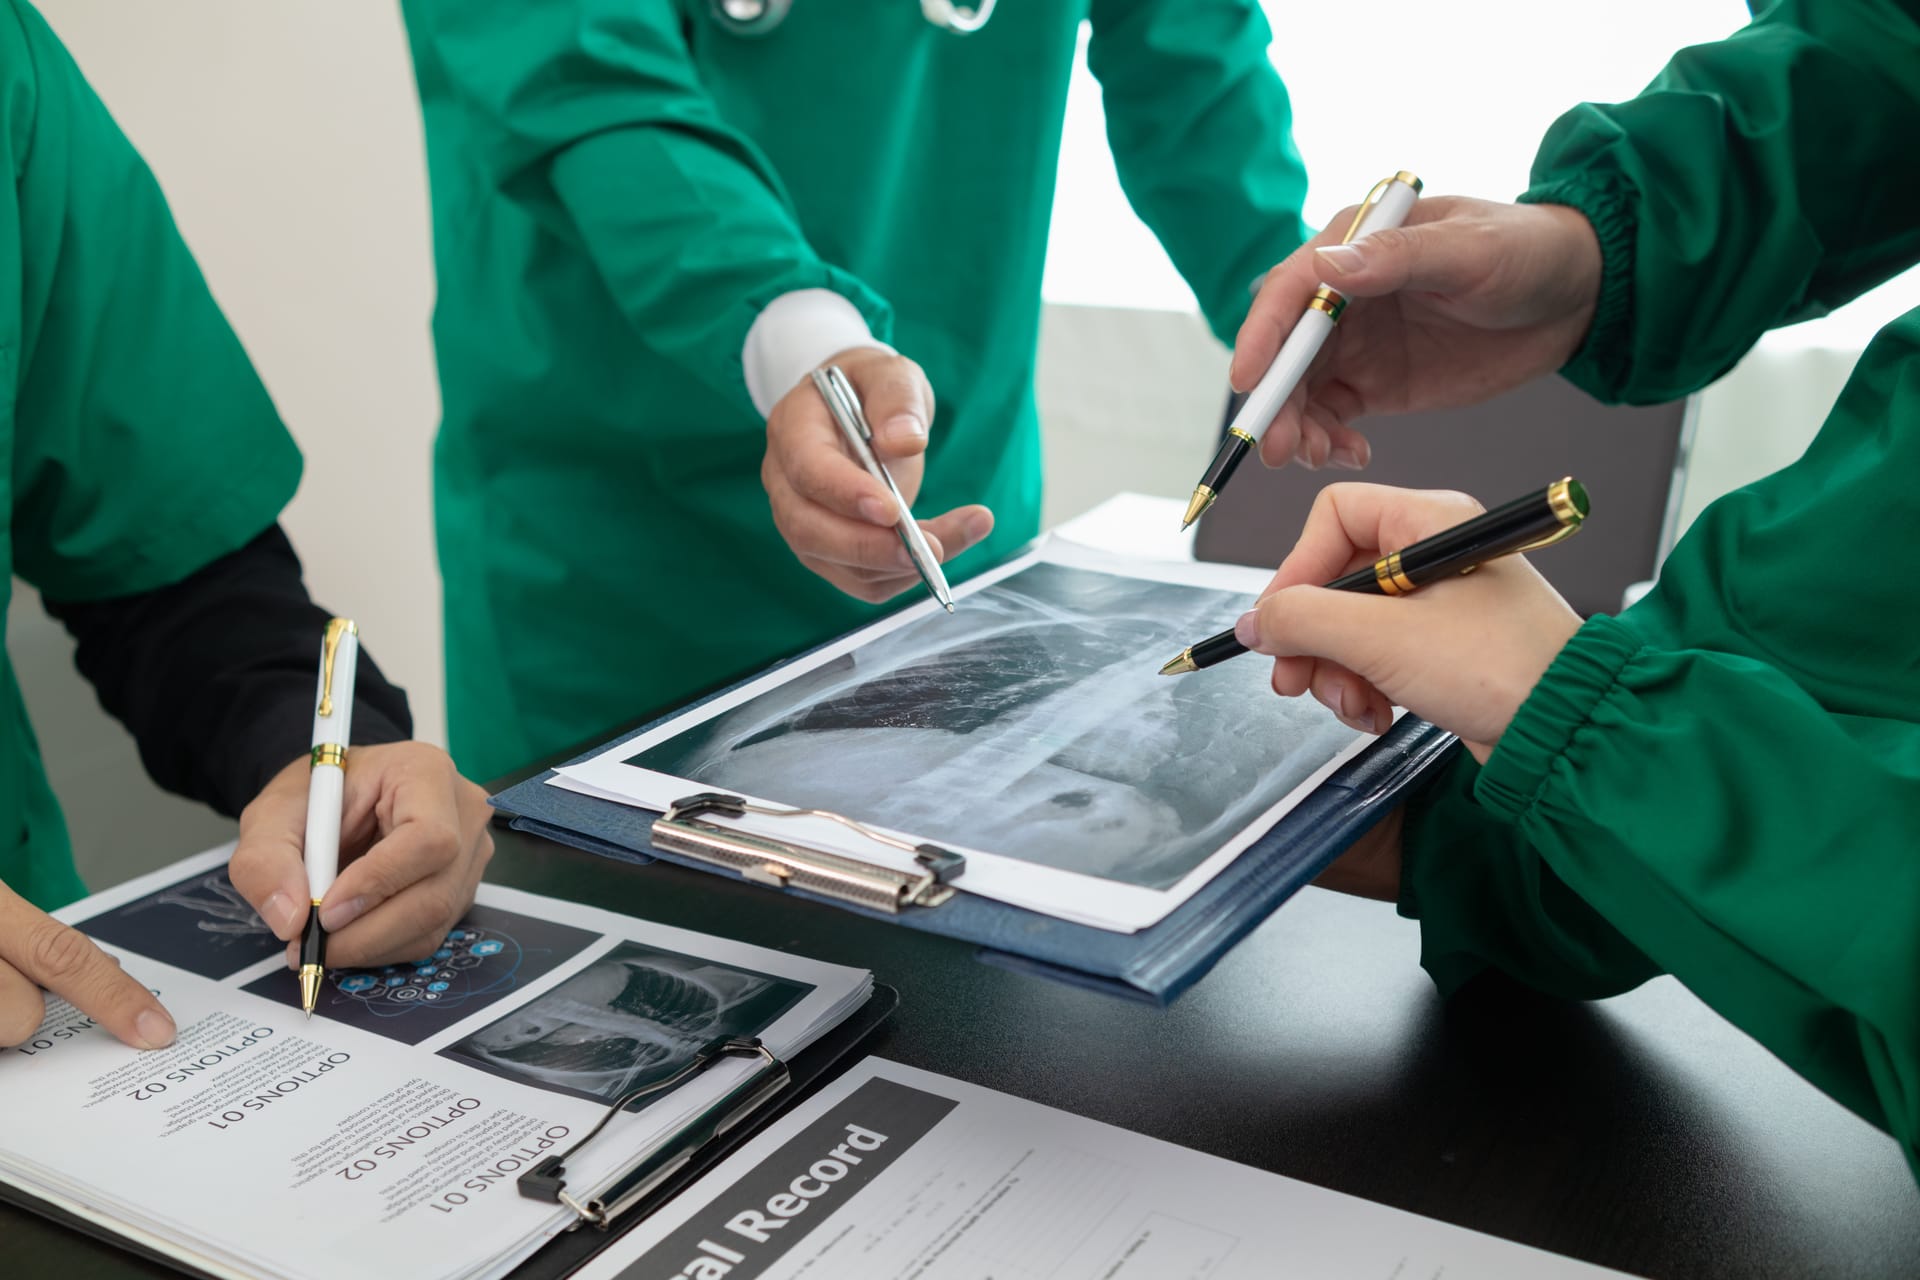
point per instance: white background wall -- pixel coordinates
(287, 136)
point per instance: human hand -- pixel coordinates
(413, 843)
(838, 519)
(37, 951)
(1470, 298)
(1464, 653)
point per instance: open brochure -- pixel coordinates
(384, 1136)
(1029, 731)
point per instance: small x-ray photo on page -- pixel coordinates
(1030, 730)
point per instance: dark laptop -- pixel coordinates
(1631, 459)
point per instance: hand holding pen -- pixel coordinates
(843, 402)
(1462, 648)
(839, 519)
(1384, 209)
(1468, 298)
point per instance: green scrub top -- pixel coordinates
(1724, 782)
(136, 444)
(619, 188)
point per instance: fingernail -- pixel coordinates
(1247, 629)
(902, 428)
(336, 916)
(1347, 458)
(154, 1028)
(979, 526)
(1363, 719)
(278, 913)
(1341, 259)
(874, 511)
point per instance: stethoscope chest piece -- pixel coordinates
(750, 17)
(759, 17)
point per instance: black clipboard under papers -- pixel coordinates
(923, 880)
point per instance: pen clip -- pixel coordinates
(330, 648)
(838, 392)
(1373, 198)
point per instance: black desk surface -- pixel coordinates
(1642, 1133)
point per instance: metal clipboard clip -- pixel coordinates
(634, 1184)
(782, 864)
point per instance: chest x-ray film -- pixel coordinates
(1030, 730)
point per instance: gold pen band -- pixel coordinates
(1392, 578)
(1329, 300)
(330, 753)
(1244, 435)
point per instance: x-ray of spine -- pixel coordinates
(1033, 723)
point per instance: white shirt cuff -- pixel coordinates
(795, 334)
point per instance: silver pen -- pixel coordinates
(844, 405)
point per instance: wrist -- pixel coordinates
(1561, 703)
(796, 333)
(1598, 226)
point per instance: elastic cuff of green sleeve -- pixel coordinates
(1427, 809)
(1443, 822)
(1581, 675)
(1602, 362)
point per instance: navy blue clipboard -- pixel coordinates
(1155, 964)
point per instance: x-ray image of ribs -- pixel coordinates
(631, 1016)
(215, 901)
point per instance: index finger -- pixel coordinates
(1277, 306)
(420, 835)
(808, 450)
(266, 866)
(66, 962)
(1352, 525)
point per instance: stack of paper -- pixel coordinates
(384, 1136)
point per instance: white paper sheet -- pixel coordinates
(896, 1172)
(1034, 716)
(384, 1136)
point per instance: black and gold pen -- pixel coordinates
(1525, 524)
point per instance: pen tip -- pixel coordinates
(1180, 664)
(1203, 497)
(948, 604)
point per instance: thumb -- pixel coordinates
(899, 406)
(1439, 257)
(1346, 627)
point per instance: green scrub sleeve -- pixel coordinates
(144, 446)
(1753, 843)
(1485, 901)
(1202, 136)
(1759, 180)
(591, 116)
